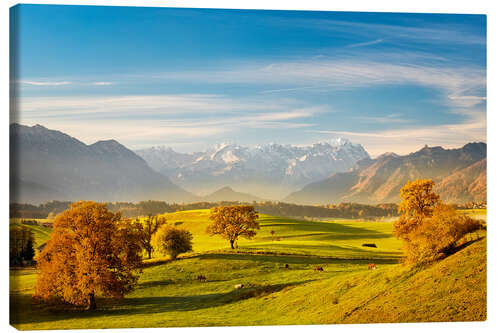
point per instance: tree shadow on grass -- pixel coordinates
(23, 311)
(344, 252)
(293, 259)
(464, 245)
(156, 283)
(329, 230)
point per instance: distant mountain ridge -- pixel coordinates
(50, 165)
(465, 185)
(228, 194)
(460, 176)
(270, 170)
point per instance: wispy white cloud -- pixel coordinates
(288, 89)
(403, 141)
(174, 118)
(372, 42)
(134, 132)
(149, 105)
(466, 101)
(327, 75)
(102, 83)
(390, 119)
(46, 83)
(146, 133)
(437, 33)
(165, 118)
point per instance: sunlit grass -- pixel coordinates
(42, 234)
(168, 293)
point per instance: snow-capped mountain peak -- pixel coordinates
(276, 165)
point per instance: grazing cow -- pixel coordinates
(372, 266)
(286, 266)
(238, 286)
(318, 268)
(201, 278)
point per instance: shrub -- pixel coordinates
(172, 241)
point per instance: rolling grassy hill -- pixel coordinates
(42, 234)
(338, 238)
(346, 291)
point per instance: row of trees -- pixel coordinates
(144, 208)
(429, 229)
(21, 245)
(93, 251)
(52, 208)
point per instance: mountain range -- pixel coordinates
(270, 171)
(50, 165)
(459, 174)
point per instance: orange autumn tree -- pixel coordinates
(417, 203)
(231, 222)
(429, 229)
(91, 252)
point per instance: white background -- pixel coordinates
(419, 6)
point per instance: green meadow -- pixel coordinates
(41, 233)
(280, 283)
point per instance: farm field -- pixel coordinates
(346, 291)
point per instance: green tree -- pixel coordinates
(231, 222)
(172, 241)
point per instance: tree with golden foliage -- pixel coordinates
(429, 229)
(418, 202)
(147, 229)
(91, 252)
(232, 222)
(172, 241)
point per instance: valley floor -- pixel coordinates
(345, 292)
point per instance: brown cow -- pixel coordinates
(372, 266)
(201, 278)
(318, 268)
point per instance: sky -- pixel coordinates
(192, 78)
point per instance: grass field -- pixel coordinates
(346, 291)
(474, 213)
(42, 234)
(339, 238)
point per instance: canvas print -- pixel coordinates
(224, 167)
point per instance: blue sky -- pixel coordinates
(191, 78)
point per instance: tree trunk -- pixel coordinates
(149, 253)
(232, 243)
(91, 305)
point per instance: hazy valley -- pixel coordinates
(50, 165)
